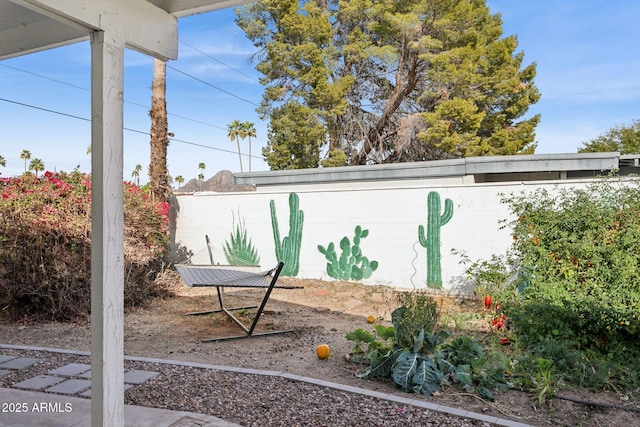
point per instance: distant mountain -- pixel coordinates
(221, 182)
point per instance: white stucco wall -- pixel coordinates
(392, 215)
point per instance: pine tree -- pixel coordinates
(389, 81)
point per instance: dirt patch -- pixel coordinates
(321, 313)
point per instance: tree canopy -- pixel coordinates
(375, 81)
(622, 138)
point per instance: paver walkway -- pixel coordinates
(73, 379)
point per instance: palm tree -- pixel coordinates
(202, 167)
(235, 133)
(3, 162)
(249, 130)
(179, 179)
(136, 174)
(26, 155)
(36, 165)
(158, 173)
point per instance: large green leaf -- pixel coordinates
(401, 329)
(485, 392)
(464, 376)
(419, 340)
(360, 335)
(404, 369)
(381, 362)
(427, 378)
(462, 350)
(431, 341)
(444, 365)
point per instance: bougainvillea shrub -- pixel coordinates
(45, 245)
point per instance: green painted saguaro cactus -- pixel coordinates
(288, 249)
(431, 241)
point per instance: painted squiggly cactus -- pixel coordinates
(431, 241)
(351, 265)
(288, 249)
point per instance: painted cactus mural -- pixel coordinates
(288, 248)
(431, 240)
(351, 265)
(239, 250)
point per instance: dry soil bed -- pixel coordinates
(322, 312)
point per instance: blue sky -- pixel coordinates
(587, 55)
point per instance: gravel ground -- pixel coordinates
(248, 399)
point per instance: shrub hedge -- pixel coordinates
(576, 294)
(45, 246)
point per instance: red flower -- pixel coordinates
(505, 341)
(487, 301)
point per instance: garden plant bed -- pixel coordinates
(321, 313)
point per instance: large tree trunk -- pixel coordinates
(406, 81)
(158, 174)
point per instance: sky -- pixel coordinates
(588, 72)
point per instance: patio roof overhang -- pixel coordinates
(148, 26)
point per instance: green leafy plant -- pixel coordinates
(489, 277)
(239, 250)
(416, 312)
(464, 359)
(545, 386)
(374, 348)
(414, 354)
(351, 265)
(570, 286)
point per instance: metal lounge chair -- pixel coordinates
(234, 276)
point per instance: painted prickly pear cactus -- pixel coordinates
(288, 248)
(351, 265)
(431, 240)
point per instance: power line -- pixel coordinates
(134, 103)
(213, 86)
(182, 141)
(220, 62)
(45, 109)
(46, 77)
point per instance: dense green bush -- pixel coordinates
(45, 245)
(575, 297)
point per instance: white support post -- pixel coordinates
(107, 230)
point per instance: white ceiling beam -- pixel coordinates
(180, 8)
(144, 27)
(32, 37)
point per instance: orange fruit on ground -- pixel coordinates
(323, 351)
(371, 319)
